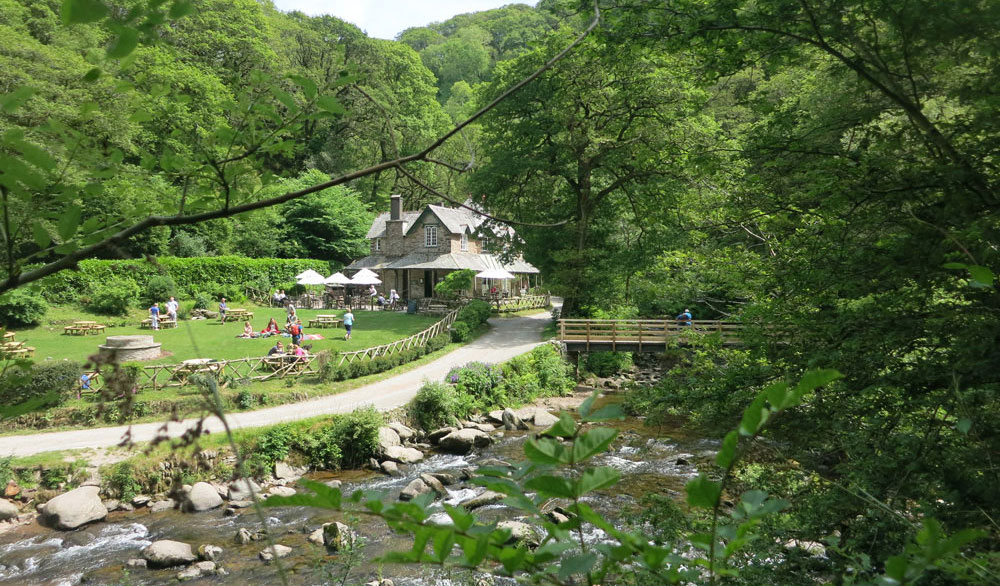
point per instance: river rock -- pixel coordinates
(414, 489)
(209, 552)
(8, 510)
(196, 571)
(338, 536)
(556, 517)
(278, 551)
(484, 427)
(333, 483)
(240, 504)
(202, 497)
(520, 532)
(496, 416)
(281, 491)
(136, 563)
(78, 539)
(316, 537)
(11, 490)
(140, 500)
(283, 471)
(243, 536)
(166, 553)
(164, 505)
(487, 498)
(543, 418)
(405, 433)
(382, 582)
(511, 421)
(390, 468)
(434, 484)
(242, 489)
(445, 478)
(436, 435)
(387, 438)
(75, 508)
(404, 455)
(463, 440)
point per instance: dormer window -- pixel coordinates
(430, 236)
(378, 244)
(484, 242)
(465, 241)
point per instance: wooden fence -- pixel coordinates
(268, 367)
(636, 333)
(506, 304)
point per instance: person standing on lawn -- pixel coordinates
(222, 310)
(348, 323)
(172, 306)
(154, 316)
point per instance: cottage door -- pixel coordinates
(428, 283)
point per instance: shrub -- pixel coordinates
(434, 406)
(188, 245)
(22, 308)
(49, 383)
(321, 449)
(245, 399)
(555, 375)
(273, 446)
(480, 382)
(113, 297)
(122, 483)
(357, 436)
(459, 331)
(202, 300)
(474, 313)
(184, 310)
(159, 289)
(455, 282)
(608, 363)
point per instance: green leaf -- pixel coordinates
(963, 425)
(443, 543)
(463, 519)
(606, 413)
(592, 442)
(565, 427)
(69, 221)
(702, 492)
(126, 42)
(307, 85)
(546, 451)
(16, 99)
(40, 235)
(755, 416)
(596, 478)
(180, 8)
(552, 486)
(727, 453)
(331, 104)
(815, 379)
(93, 75)
(587, 405)
(577, 564)
(954, 265)
(82, 11)
(981, 276)
(140, 116)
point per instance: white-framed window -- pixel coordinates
(430, 236)
(484, 242)
(465, 241)
(378, 244)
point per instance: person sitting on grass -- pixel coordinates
(247, 331)
(276, 349)
(272, 328)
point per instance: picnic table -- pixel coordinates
(83, 328)
(325, 321)
(288, 362)
(239, 313)
(197, 366)
(163, 323)
(16, 350)
(8, 336)
(90, 382)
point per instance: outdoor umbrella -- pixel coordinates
(360, 279)
(494, 274)
(366, 273)
(337, 279)
(309, 277)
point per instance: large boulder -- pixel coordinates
(404, 455)
(209, 552)
(387, 438)
(434, 484)
(512, 421)
(463, 440)
(206, 568)
(164, 505)
(242, 489)
(391, 468)
(543, 418)
(281, 491)
(436, 435)
(405, 433)
(202, 497)
(278, 551)
(338, 537)
(8, 510)
(414, 489)
(487, 498)
(520, 532)
(75, 508)
(166, 553)
(283, 471)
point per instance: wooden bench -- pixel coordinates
(163, 323)
(239, 314)
(288, 362)
(8, 336)
(22, 352)
(325, 321)
(74, 330)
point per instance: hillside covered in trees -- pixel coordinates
(825, 173)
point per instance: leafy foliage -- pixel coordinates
(22, 308)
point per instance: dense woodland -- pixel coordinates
(825, 172)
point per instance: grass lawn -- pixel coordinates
(211, 339)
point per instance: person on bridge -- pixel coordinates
(685, 317)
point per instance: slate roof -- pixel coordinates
(448, 261)
(378, 226)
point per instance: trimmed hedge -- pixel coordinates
(192, 275)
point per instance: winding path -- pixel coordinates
(507, 338)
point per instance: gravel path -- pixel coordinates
(507, 338)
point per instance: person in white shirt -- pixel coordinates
(172, 306)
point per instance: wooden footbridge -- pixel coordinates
(640, 335)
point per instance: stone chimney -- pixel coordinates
(395, 207)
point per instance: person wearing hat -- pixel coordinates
(685, 318)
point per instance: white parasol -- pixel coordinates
(366, 273)
(361, 279)
(494, 274)
(309, 277)
(337, 278)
